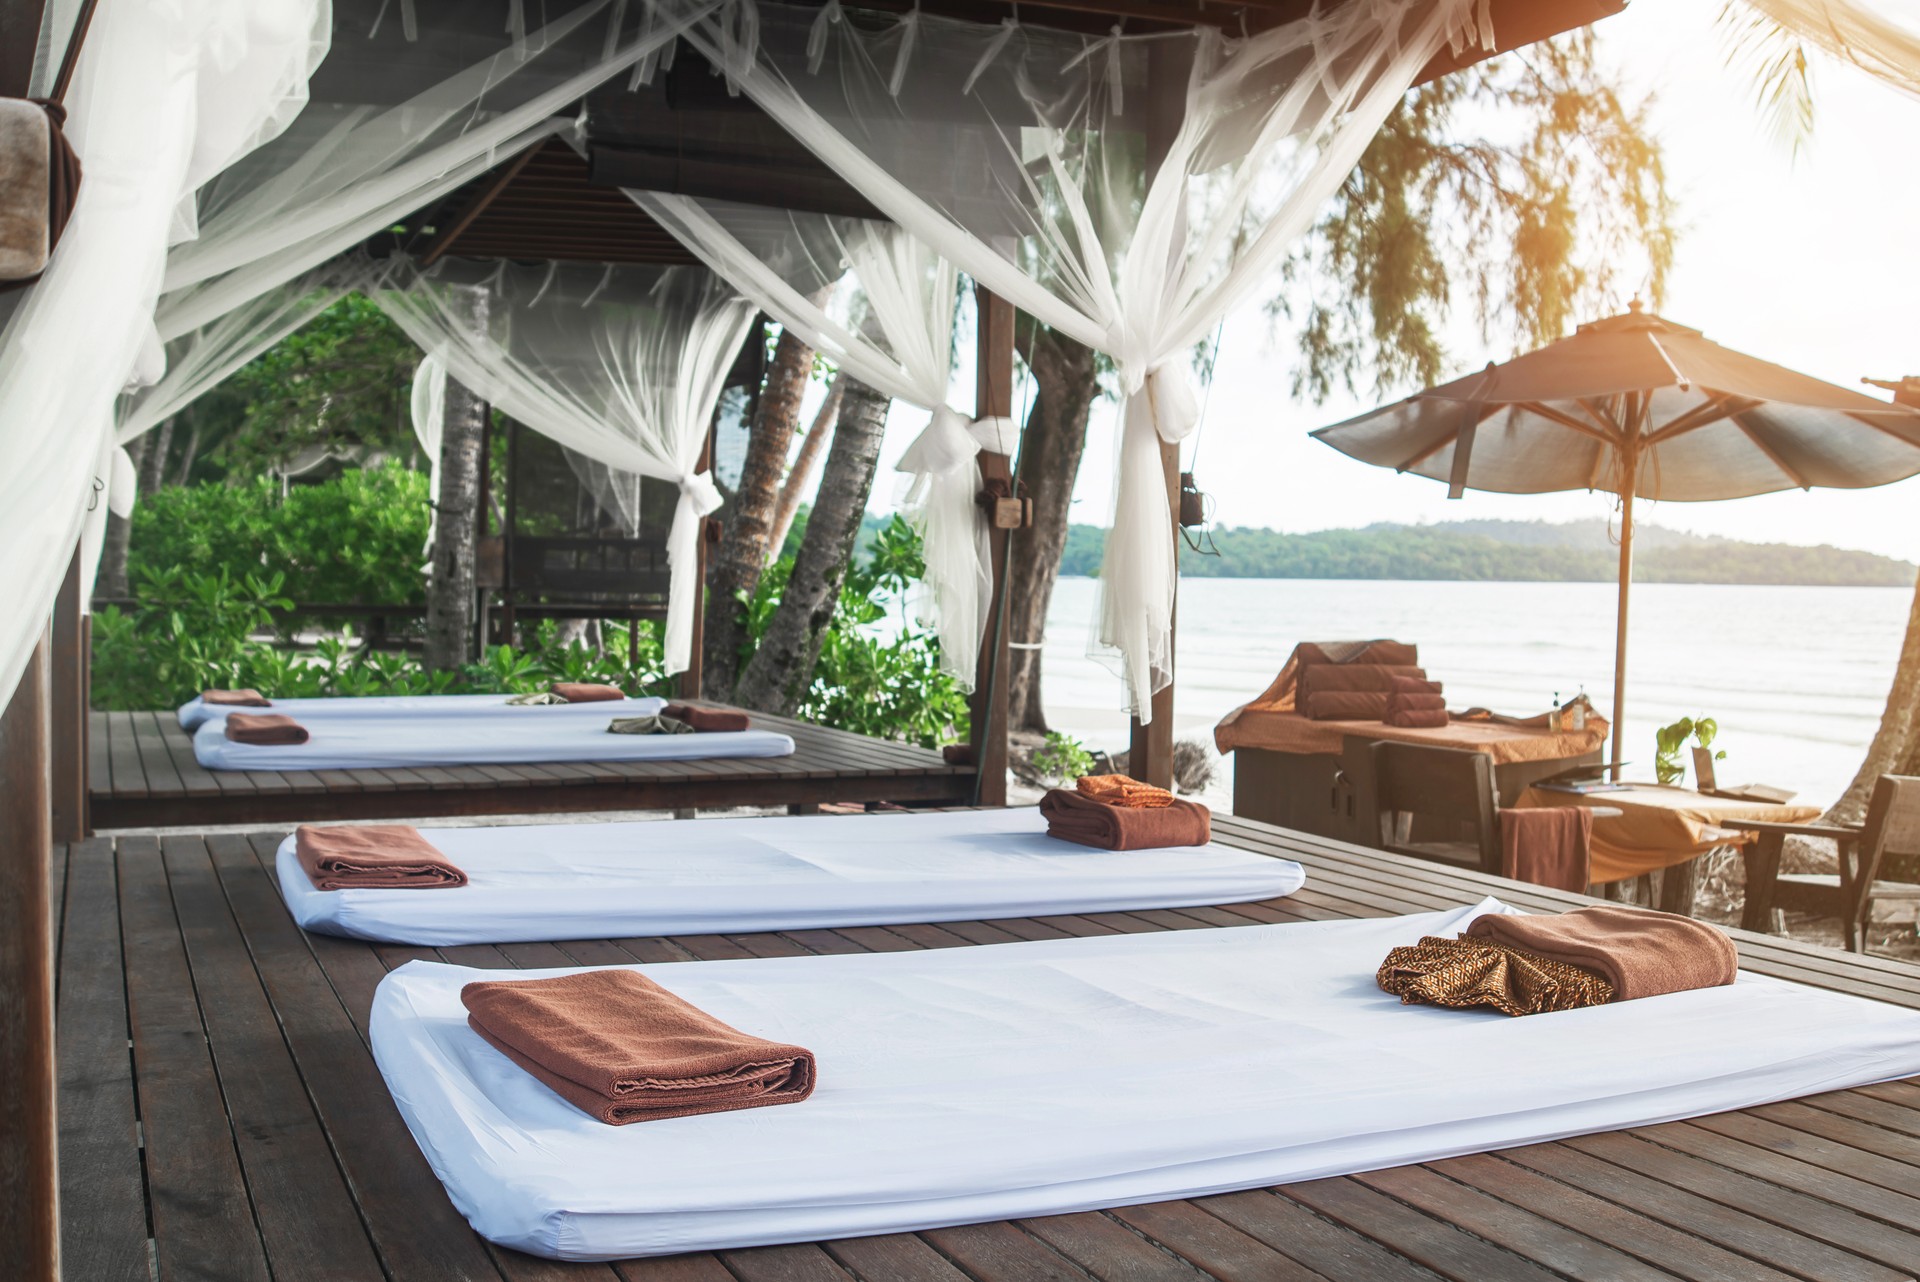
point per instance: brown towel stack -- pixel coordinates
(1395, 653)
(1372, 678)
(1073, 816)
(1415, 703)
(621, 1048)
(586, 692)
(1551, 846)
(376, 857)
(271, 728)
(1640, 952)
(1478, 972)
(1344, 705)
(235, 699)
(708, 720)
(1122, 790)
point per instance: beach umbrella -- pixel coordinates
(1643, 408)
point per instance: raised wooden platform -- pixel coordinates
(221, 1117)
(142, 774)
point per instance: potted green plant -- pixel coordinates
(1669, 740)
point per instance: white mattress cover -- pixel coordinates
(614, 880)
(372, 742)
(196, 712)
(983, 1083)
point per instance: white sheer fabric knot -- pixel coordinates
(123, 485)
(1171, 399)
(698, 496)
(830, 13)
(997, 433)
(953, 593)
(698, 489)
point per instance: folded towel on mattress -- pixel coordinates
(1345, 705)
(235, 699)
(622, 1049)
(270, 728)
(374, 857)
(586, 692)
(657, 724)
(1479, 972)
(708, 720)
(1073, 817)
(1640, 952)
(1122, 790)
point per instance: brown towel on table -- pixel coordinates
(1640, 952)
(586, 692)
(1548, 847)
(1077, 818)
(235, 699)
(1373, 678)
(1391, 653)
(1416, 711)
(1413, 685)
(1345, 705)
(707, 720)
(1397, 702)
(271, 728)
(1478, 972)
(1122, 790)
(621, 1048)
(375, 857)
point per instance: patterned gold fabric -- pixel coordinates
(1477, 972)
(1122, 790)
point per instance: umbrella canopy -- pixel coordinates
(1640, 407)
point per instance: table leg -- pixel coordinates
(1679, 883)
(1762, 860)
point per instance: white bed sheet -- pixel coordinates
(372, 742)
(196, 712)
(983, 1083)
(614, 880)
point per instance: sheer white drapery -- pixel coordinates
(135, 115)
(428, 408)
(621, 364)
(1127, 191)
(1881, 37)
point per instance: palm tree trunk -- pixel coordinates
(451, 586)
(112, 579)
(777, 677)
(802, 470)
(1896, 745)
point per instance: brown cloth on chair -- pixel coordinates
(271, 728)
(235, 699)
(1479, 972)
(708, 720)
(1345, 705)
(1077, 818)
(621, 1048)
(1640, 952)
(1548, 847)
(586, 692)
(375, 857)
(1373, 678)
(1122, 790)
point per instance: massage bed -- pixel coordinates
(1012, 1080)
(196, 711)
(615, 880)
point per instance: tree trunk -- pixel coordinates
(1055, 437)
(450, 588)
(112, 579)
(188, 456)
(777, 677)
(802, 469)
(157, 443)
(742, 553)
(1896, 745)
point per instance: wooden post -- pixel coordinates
(993, 397)
(29, 1177)
(691, 678)
(67, 695)
(1633, 424)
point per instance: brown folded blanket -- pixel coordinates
(1393, 653)
(1413, 685)
(248, 727)
(1077, 818)
(586, 692)
(621, 1048)
(1480, 972)
(1640, 952)
(1122, 790)
(376, 857)
(1398, 702)
(708, 720)
(1416, 718)
(1374, 678)
(1345, 705)
(1548, 847)
(235, 699)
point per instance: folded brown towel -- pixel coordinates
(1398, 702)
(1345, 705)
(957, 754)
(1373, 678)
(586, 692)
(708, 720)
(1077, 818)
(1640, 952)
(1480, 972)
(1394, 653)
(1416, 718)
(235, 699)
(249, 727)
(1413, 685)
(1122, 790)
(1548, 847)
(376, 857)
(621, 1048)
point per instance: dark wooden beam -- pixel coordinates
(67, 682)
(443, 241)
(19, 40)
(993, 397)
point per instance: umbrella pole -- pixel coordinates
(1620, 619)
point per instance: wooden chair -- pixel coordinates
(1893, 825)
(1444, 795)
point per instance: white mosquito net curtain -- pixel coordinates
(1126, 190)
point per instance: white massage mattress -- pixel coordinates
(196, 712)
(985, 1083)
(372, 742)
(614, 880)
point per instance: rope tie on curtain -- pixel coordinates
(739, 23)
(909, 29)
(1008, 26)
(830, 14)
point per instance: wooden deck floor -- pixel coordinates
(222, 1118)
(142, 774)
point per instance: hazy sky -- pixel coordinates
(1813, 263)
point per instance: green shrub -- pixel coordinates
(1062, 757)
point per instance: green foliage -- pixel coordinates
(1062, 758)
(1668, 740)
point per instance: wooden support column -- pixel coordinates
(993, 397)
(67, 710)
(29, 1185)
